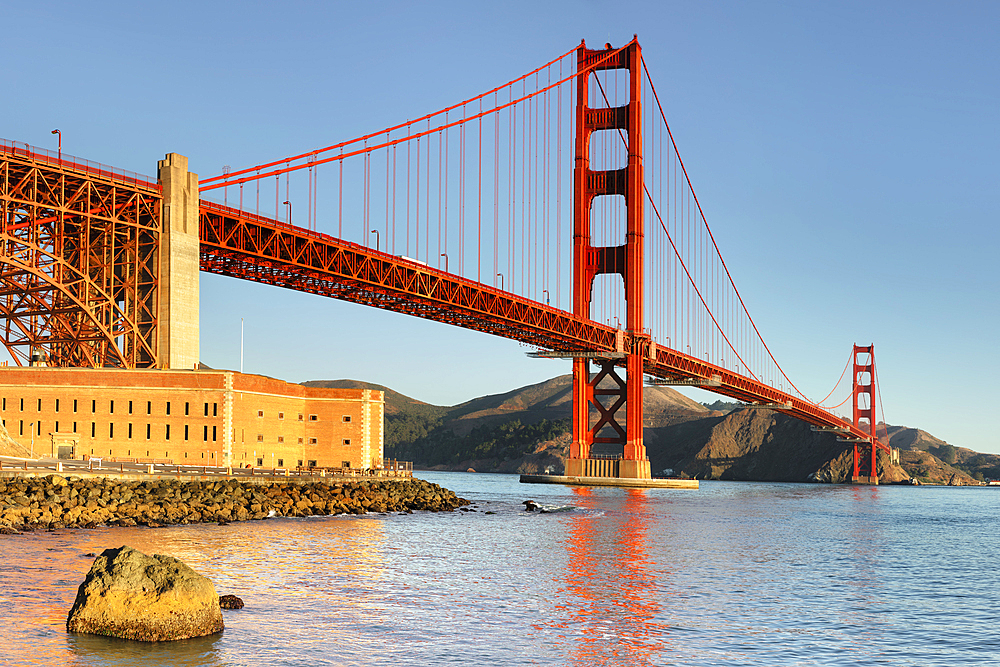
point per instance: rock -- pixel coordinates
(471, 470)
(230, 602)
(130, 595)
(530, 506)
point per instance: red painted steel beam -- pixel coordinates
(243, 245)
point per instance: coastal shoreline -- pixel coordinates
(53, 501)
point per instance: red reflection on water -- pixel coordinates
(611, 598)
(865, 535)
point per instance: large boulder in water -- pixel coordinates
(130, 595)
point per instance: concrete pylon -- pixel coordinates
(179, 341)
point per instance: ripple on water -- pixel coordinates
(731, 574)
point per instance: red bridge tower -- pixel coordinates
(863, 400)
(625, 260)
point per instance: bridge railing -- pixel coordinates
(25, 150)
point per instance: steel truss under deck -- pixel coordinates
(79, 263)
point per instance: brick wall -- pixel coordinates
(181, 416)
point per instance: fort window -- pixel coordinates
(300, 417)
(215, 409)
(74, 427)
(147, 452)
(149, 407)
(281, 438)
(300, 441)
(168, 429)
(313, 418)
(20, 429)
(57, 427)
(206, 409)
(260, 461)
(130, 407)
(4, 404)
(312, 441)
(185, 431)
(260, 437)
(312, 463)
(347, 441)
(74, 405)
(205, 433)
(347, 418)
(112, 410)
(300, 463)
(93, 406)
(260, 413)
(22, 405)
(39, 405)
(57, 407)
(281, 415)
(187, 410)
(148, 428)
(111, 431)
(168, 407)
(93, 429)
(130, 431)
(345, 464)
(281, 462)
(214, 434)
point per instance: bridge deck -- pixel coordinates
(243, 245)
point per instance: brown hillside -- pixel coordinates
(905, 438)
(753, 445)
(680, 434)
(553, 399)
(928, 469)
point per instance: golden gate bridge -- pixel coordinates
(554, 210)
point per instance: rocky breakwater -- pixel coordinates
(32, 503)
(130, 595)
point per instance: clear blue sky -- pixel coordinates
(846, 155)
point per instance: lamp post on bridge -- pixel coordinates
(60, 142)
(375, 232)
(289, 205)
(445, 255)
(546, 293)
(500, 275)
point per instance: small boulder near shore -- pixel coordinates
(130, 595)
(230, 602)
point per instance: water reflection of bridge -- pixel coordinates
(610, 605)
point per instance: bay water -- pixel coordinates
(729, 574)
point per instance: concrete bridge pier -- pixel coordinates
(178, 336)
